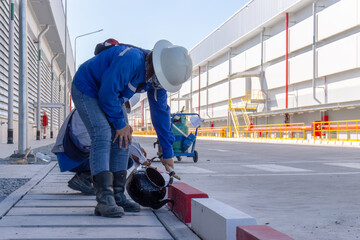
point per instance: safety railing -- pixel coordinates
(211, 132)
(147, 129)
(255, 94)
(292, 131)
(336, 130)
(320, 131)
(149, 132)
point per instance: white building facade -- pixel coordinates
(45, 16)
(298, 61)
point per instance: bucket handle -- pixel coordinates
(171, 172)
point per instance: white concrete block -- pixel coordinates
(212, 219)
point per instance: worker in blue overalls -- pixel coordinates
(101, 85)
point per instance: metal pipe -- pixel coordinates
(207, 90)
(262, 80)
(229, 87)
(199, 90)
(314, 51)
(262, 54)
(59, 110)
(191, 95)
(277, 128)
(287, 62)
(66, 72)
(143, 112)
(325, 90)
(39, 83)
(52, 95)
(327, 126)
(10, 136)
(22, 144)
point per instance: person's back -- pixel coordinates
(88, 78)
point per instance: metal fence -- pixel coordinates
(336, 130)
(348, 130)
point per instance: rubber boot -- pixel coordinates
(119, 189)
(106, 205)
(82, 182)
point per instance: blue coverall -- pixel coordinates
(113, 77)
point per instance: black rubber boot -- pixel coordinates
(106, 205)
(119, 189)
(82, 182)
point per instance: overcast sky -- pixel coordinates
(143, 22)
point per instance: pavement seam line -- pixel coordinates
(164, 217)
(11, 200)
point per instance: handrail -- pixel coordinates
(347, 130)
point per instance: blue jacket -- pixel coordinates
(114, 76)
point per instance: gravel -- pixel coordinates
(8, 185)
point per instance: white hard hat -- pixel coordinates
(172, 65)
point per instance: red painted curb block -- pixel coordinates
(259, 232)
(182, 194)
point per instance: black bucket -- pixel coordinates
(147, 187)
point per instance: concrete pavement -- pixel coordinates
(306, 192)
(45, 208)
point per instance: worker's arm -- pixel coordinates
(160, 116)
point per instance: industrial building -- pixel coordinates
(271, 63)
(46, 44)
(275, 62)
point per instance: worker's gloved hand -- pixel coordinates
(168, 163)
(124, 134)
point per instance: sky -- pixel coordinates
(143, 22)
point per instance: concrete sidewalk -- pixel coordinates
(45, 208)
(8, 149)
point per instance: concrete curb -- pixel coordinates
(210, 218)
(15, 196)
(183, 193)
(258, 232)
(213, 220)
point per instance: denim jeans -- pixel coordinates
(104, 155)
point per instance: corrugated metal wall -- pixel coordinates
(4, 60)
(31, 74)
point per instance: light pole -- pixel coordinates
(22, 144)
(83, 35)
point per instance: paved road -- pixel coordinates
(307, 192)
